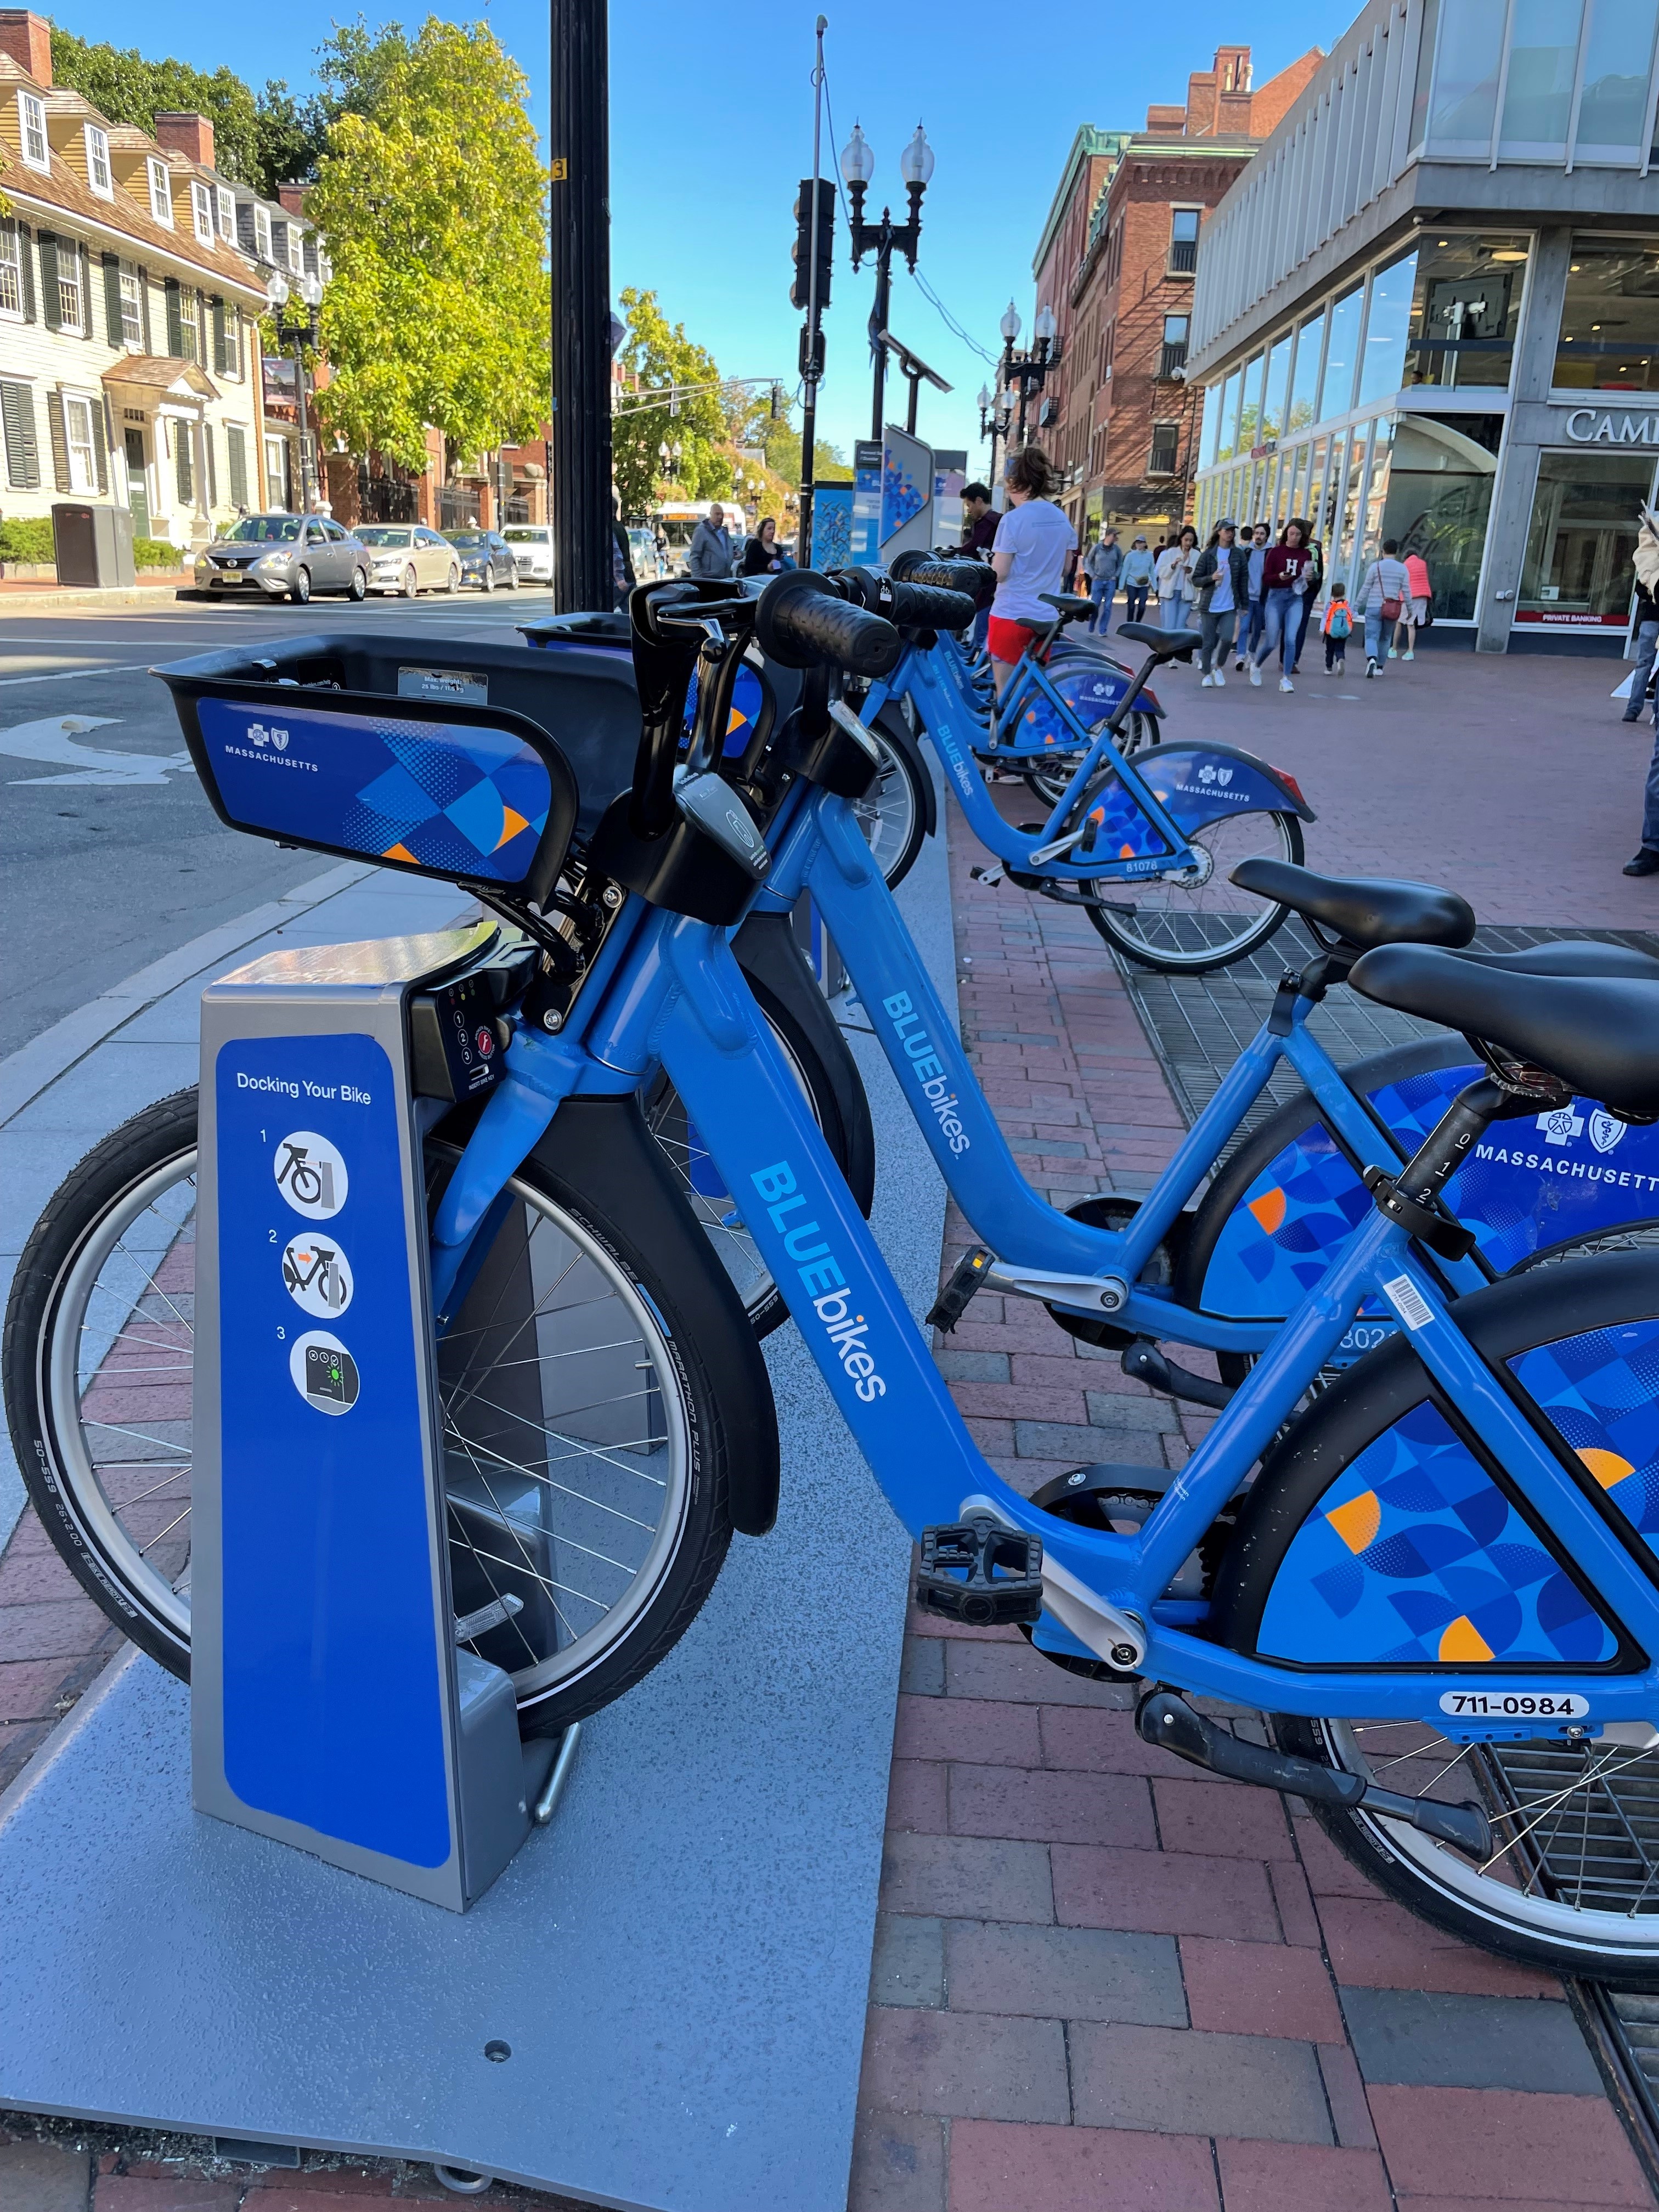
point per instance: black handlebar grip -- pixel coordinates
(974, 578)
(918, 607)
(801, 622)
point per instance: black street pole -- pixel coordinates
(884, 283)
(579, 497)
(811, 345)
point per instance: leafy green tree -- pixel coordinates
(434, 208)
(780, 442)
(659, 355)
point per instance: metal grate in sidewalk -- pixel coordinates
(1199, 1024)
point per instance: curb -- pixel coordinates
(67, 597)
(25, 1073)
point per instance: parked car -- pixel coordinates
(642, 551)
(410, 558)
(285, 557)
(487, 559)
(532, 549)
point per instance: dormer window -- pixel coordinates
(201, 213)
(227, 216)
(261, 232)
(98, 169)
(32, 124)
(161, 190)
(296, 252)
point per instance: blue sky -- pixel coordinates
(711, 132)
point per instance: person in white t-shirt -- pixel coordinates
(1029, 554)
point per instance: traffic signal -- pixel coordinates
(807, 249)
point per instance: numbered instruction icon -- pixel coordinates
(317, 1276)
(325, 1373)
(311, 1175)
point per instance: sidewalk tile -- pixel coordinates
(922, 1669)
(1015, 1672)
(1068, 1973)
(44, 2177)
(1376, 1944)
(966, 2065)
(982, 1730)
(1219, 1817)
(967, 1878)
(1179, 1894)
(917, 1797)
(1508, 2144)
(1186, 2082)
(1468, 2042)
(126, 2192)
(1047, 2169)
(1259, 1988)
(1345, 2093)
(28, 1687)
(1296, 1906)
(898, 2163)
(1102, 1743)
(1263, 2177)
(1050, 1806)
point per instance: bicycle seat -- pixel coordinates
(1600, 1034)
(1165, 643)
(1581, 956)
(1362, 910)
(1068, 604)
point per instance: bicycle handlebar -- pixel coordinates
(802, 621)
(913, 606)
(976, 579)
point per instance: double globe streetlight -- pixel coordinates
(301, 332)
(858, 167)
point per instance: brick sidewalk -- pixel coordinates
(1102, 1981)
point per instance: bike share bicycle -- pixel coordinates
(1445, 1547)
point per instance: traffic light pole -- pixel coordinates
(580, 449)
(812, 343)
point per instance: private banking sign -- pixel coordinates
(1598, 426)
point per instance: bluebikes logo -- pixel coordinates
(822, 1279)
(927, 1068)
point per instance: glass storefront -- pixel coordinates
(1438, 498)
(1466, 305)
(1577, 568)
(1610, 321)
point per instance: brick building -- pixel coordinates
(1117, 416)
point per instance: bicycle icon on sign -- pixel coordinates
(317, 1276)
(311, 1175)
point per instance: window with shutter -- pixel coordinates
(132, 309)
(227, 215)
(22, 449)
(114, 322)
(219, 336)
(183, 473)
(236, 455)
(26, 247)
(212, 471)
(234, 343)
(11, 272)
(60, 467)
(175, 320)
(51, 310)
(143, 309)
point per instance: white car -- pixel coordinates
(408, 557)
(532, 549)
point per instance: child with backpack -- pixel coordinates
(1337, 626)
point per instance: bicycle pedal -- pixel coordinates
(965, 1278)
(980, 1574)
(991, 875)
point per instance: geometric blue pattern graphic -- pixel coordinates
(1534, 1182)
(1414, 1555)
(1600, 1392)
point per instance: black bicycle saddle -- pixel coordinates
(1068, 604)
(1362, 910)
(1600, 1034)
(1165, 643)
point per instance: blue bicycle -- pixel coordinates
(1439, 1578)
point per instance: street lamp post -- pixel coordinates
(1028, 370)
(301, 333)
(858, 165)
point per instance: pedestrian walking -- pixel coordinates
(762, 556)
(1646, 619)
(1136, 577)
(1029, 556)
(1250, 627)
(1174, 578)
(1285, 575)
(623, 579)
(710, 555)
(1101, 565)
(1383, 589)
(1338, 628)
(1221, 583)
(1315, 585)
(1415, 612)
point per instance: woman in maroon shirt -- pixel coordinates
(1285, 575)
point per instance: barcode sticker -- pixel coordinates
(1408, 1302)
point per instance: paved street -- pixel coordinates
(111, 864)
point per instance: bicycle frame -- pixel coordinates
(1040, 1249)
(675, 992)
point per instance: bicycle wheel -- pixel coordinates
(1571, 1881)
(588, 1482)
(893, 814)
(1187, 924)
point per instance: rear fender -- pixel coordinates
(1202, 783)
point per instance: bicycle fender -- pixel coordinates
(893, 726)
(786, 990)
(600, 1151)
(1201, 783)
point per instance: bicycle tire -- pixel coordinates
(894, 814)
(604, 1187)
(1185, 942)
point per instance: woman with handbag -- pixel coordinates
(1382, 594)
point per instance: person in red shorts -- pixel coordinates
(1029, 555)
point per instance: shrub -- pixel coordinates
(155, 553)
(27, 540)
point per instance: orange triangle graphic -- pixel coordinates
(1268, 1209)
(511, 825)
(736, 721)
(400, 853)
